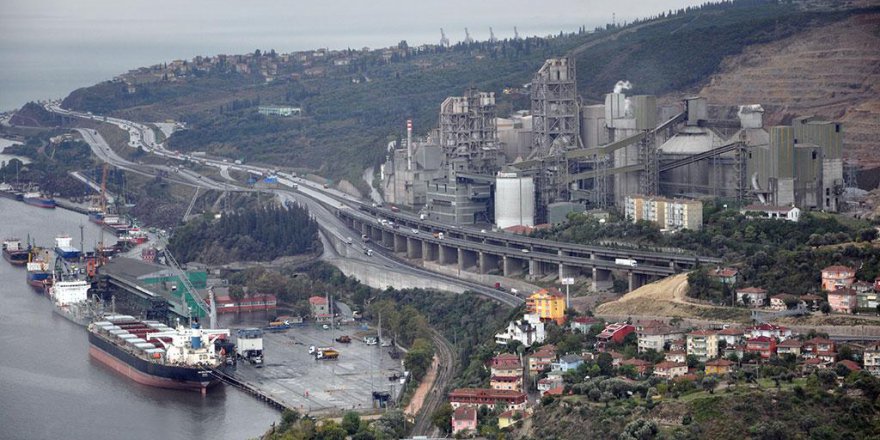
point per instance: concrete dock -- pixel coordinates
(292, 376)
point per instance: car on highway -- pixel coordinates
(415, 231)
(525, 251)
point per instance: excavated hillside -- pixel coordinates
(832, 71)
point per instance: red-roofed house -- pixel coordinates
(549, 382)
(613, 333)
(541, 359)
(464, 418)
(768, 330)
(670, 370)
(639, 365)
(731, 335)
(507, 372)
(319, 308)
(824, 349)
(508, 399)
(719, 366)
(872, 359)
(781, 301)
(657, 336)
(762, 345)
(584, 323)
(850, 365)
(837, 277)
(724, 275)
(843, 300)
(789, 346)
(679, 356)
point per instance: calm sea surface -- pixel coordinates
(51, 389)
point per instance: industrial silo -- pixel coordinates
(514, 200)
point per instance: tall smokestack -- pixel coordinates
(409, 144)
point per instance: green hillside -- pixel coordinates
(352, 110)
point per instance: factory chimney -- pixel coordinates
(409, 145)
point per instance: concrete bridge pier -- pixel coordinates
(636, 280)
(399, 243)
(512, 266)
(429, 251)
(413, 248)
(448, 255)
(388, 239)
(602, 279)
(488, 263)
(467, 260)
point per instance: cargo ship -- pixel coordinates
(154, 354)
(39, 200)
(14, 252)
(64, 249)
(39, 275)
(135, 236)
(71, 300)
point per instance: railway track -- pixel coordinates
(446, 353)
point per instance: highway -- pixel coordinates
(311, 195)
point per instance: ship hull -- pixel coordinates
(40, 202)
(148, 373)
(83, 321)
(17, 258)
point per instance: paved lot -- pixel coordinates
(297, 378)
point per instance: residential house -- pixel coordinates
(613, 333)
(567, 363)
(763, 345)
(751, 296)
(510, 418)
(464, 419)
(549, 382)
(730, 336)
(670, 370)
(814, 364)
(506, 372)
(639, 365)
(719, 367)
(583, 324)
(768, 330)
(548, 304)
(678, 345)
(528, 331)
(812, 301)
(837, 277)
(850, 365)
(679, 356)
(703, 344)
(320, 308)
(657, 336)
(872, 359)
(843, 300)
(541, 359)
(724, 275)
(508, 399)
(867, 300)
(821, 348)
(781, 301)
(789, 346)
(862, 287)
(734, 350)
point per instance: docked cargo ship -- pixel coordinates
(64, 249)
(39, 200)
(71, 300)
(39, 275)
(14, 252)
(154, 354)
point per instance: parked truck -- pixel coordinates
(324, 353)
(625, 262)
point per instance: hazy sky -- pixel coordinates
(49, 47)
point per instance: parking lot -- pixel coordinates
(295, 377)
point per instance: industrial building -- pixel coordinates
(562, 156)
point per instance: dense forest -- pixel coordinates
(50, 163)
(257, 234)
(352, 110)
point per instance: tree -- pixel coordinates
(824, 307)
(442, 418)
(419, 358)
(639, 429)
(709, 383)
(330, 430)
(236, 292)
(351, 422)
(288, 418)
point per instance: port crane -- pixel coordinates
(444, 42)
(209, 309)
(467, 37)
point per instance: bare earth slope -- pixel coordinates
(831, 71)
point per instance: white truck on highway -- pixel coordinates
(625, 262)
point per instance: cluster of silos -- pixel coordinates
(514, 200)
